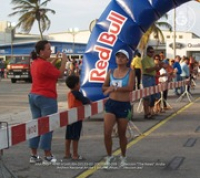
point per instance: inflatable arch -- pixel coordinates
(121, 25)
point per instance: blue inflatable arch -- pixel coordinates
(121, 25)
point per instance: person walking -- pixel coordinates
(43, 96)
(73, 131)
(118, 84)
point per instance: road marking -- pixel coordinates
(175, 163)
(97, 166)
(190, 142)
(197, 129)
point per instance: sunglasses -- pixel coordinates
(151, 51)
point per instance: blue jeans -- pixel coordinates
(177, 79)
(148, 81)
(42, 106)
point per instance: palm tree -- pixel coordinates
(31, 11)
(156, 31)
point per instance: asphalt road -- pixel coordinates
(168, 148)
(14, 100)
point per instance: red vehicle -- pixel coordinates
(19, 69)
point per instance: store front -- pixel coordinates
(24, 49)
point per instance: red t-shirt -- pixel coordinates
(44, 78)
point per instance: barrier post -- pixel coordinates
(162, 101)
(4, 171)
(189, 96)
(140, 105)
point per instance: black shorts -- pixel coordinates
(73, 131)
(119, 108)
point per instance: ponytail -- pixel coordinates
(33, 55)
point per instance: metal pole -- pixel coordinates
(73, 34)
(174, 43)
(12, 38)
(11, 48)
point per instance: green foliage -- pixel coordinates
(31, 11)
(58, 64)
(156, 31)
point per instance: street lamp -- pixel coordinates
(73, 32)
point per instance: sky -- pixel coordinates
(69, 13)
(79, 14)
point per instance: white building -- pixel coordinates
(187, 43)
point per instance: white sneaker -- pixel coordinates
(49, 160)
(123, 162)
(108, 162)
(35, 159)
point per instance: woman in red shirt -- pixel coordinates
(43, 96)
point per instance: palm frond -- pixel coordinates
(31, 11)
(164, 24)
(20, 2)
(156, 31)
(45, 3)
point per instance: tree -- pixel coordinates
(156, 31)
(31, 11)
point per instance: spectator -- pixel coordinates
(165, 73)
(2, 68)
(73, 131)
(162, 56)
(149, 69)
(74, 69)
(136, 66)
(157, 107)
(185, 72)
(157, 61)
(118, 84)
(80, 66)
(177, 72)
(42, 97)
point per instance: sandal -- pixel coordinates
(68, 157)
(148, 116)
(78, 158)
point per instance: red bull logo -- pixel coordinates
(104, 54)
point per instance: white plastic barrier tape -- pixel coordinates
(37, 127)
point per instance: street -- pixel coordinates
(169, 146)
(14, 100)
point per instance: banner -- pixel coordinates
(120, 26)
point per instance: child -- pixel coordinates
(75, 99)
